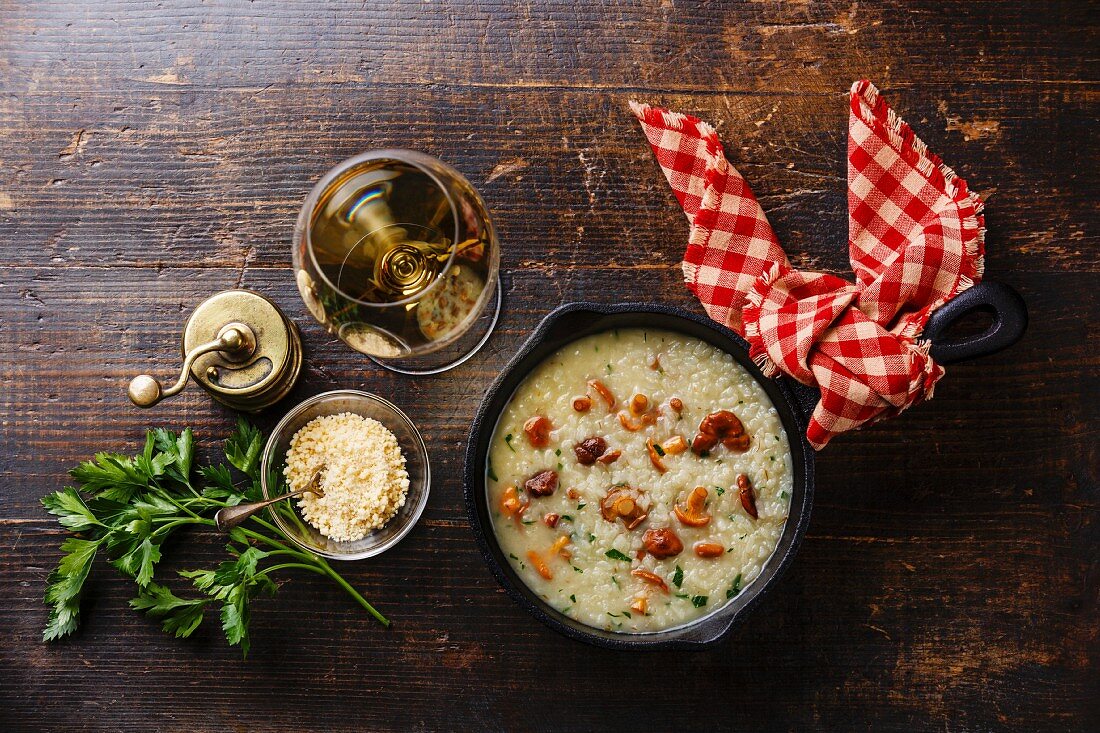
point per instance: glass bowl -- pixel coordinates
(287, 515)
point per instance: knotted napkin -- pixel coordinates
(915, 240)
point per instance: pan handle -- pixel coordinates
(1009, 323)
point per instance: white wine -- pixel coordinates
(394, 258)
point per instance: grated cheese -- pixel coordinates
(364, 476)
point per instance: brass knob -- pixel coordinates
(236, 341)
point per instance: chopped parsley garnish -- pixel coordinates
(616, 555)
(719, 490)
(513, 557)
(581, 506)
(559, 466)
(508, 440)
(615, 581)
(678, 576)
(567, 517)
(658, 449)
(735, 588)
(626, 613)
(784, 495)
(576, 569)
(491, 473)
(528, 521)
(685, 596)
(573, 598)
(609, 369)
(591, 537)
(698, 601)
(557, 452)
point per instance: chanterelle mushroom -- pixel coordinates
(626, 503)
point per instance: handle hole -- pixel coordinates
(974, 322)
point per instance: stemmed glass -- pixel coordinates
(395, 254)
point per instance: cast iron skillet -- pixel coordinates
(793, 401)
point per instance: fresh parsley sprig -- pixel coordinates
(126, 507)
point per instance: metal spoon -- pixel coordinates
(229, 517)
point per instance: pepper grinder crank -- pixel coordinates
(239, 347)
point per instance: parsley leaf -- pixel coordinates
(678, 576)
(69, 507)
(698, 601)
(242, 449)
(110, 476)
(181, 616)
(735, 588)
(616, 555)
(219, 484)
(66, 584)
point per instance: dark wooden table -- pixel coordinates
(154, 153)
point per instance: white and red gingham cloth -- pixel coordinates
(915, 239)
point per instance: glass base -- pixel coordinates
(455, 353)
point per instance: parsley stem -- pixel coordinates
(317, 564)
(176, 522)
(288, 512)
(184, 507)
(352, 592)
(268, 540)
(285, 565)
(292, 553)
(267, 525)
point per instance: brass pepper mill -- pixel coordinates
(239, 347)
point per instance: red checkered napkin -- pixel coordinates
(915, 240)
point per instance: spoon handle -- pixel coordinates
(229, 517)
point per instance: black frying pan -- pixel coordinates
(792, 400)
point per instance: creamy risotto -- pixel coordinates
(639, 479)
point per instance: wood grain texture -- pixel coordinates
(154, 153)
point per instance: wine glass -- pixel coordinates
(395, 254)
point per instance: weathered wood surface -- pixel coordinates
(153, 153)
